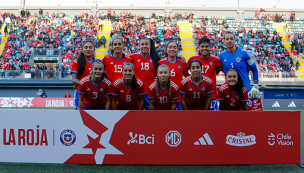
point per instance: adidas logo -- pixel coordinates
(292, 105)
(88, 89)
(227, 96)
(138, 60)
(205, 140)
(122, 91)
(276, 105)
(111, 62)
(190, 89)
(225, 60)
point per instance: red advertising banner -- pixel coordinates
(34, 102)
(150, 137)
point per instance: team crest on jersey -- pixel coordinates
(150, 60)
(210, 63)
(124, 62)
(237, 96)
(203, 89)
(67, 137)
(249, 103)
(179, 66)
(238, 59)
(101, 89)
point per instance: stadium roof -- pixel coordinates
(287, 4)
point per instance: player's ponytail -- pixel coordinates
(153, 54)
(239, 85)
(134, 80)
(81, 59)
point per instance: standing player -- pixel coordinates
(196, 89)
(163, 93)
(239, 59)
(95, 89)
(128, 91)
(81, 67)
(145, 64)
(211, 65)
(177, 68)
(113, 64)
(233, 95)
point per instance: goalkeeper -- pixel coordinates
(240, 59)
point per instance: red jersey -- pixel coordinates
(196, 95)
(162, 101)
(177, 70)
(295, 52)
(87, 70)
(232, 101)
(144, 69)
(94, 96)
(254, 105)
(127, 100)
(113, 66)
(209, 67)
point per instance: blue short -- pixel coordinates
(76, 100)
(178, 106)
(147, 102)
(214, 105)
(101, 108)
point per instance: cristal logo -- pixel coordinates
(142, 139)
(173, 138)
(240, 140)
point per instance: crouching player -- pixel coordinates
(163, 93)
(95, 89)
(233, 95)
(196, 89)
(128, 91)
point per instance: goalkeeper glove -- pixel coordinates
(253, 94)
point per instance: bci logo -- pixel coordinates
(140, 139)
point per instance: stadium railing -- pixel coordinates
(33, 74)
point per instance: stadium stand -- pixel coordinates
(261, 36)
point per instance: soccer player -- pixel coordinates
(211, 65)
(196, 89)
(128, 91)
(233, 95)
(239, 59)
(163, 93)
(145, 64)
(81, 67)
(177, 68)
(113, 64)
(95, 89)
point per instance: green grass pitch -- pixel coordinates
(29, 167)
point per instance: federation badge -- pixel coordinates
(203, 89)
(249, 103)
(101, 89)
(124, 62)
(179, 66)
(238, 59)
(237, 96)
(210, 63)
(67, 137)
(150, 60)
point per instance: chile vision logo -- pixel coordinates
(67, 137)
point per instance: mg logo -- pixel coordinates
(173, 138)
